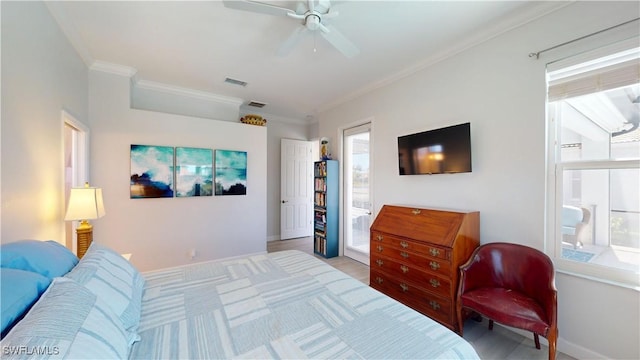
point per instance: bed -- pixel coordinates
(279, 305)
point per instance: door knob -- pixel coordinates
(284, 201)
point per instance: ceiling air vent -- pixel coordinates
(256, 104)
(235, 82)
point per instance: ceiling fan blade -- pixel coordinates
(258, 7)
(298, 33)
(335, 38)
(323, 6)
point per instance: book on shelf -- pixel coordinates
(320, 245)
(321, 169)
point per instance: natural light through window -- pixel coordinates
(594, 137)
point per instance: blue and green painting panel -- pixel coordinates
(194, 172)
(231, 172)
(151, 171)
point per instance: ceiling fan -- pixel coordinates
(312, 14)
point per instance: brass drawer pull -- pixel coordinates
(404, 254)
(434, 251)
(379, 280)
(379, 237)
(380, 248)
(404, 244)
(434, 265)
(379, 262)
(434, 282)
(434, 305)
(416, 211)
(405, 269)
(404, 287)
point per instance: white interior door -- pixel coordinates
(296, 189)
(358, 203)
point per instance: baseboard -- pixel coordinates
(564, 346)
(273, 237)
(577, 351)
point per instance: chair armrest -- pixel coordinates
(473, 273)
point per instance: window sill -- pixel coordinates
(598, 273)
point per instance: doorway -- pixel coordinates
(76, 145)
(296, 189)
(358, 204)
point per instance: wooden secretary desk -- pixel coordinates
(416, 253)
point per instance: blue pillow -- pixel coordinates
(19, 290)
(69, 322)
(47, 258)
(112, 278)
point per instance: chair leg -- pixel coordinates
(536, 338)
(490, 324)
(553, 338)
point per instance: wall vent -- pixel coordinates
(235, 82)
(256, 104)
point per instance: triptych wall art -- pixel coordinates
(165, 171)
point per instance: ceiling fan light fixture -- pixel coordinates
(312, 22)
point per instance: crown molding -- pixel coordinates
(136, 82)
(513, 21)
(115, 69)
(191, 93)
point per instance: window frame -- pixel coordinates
(555, 169)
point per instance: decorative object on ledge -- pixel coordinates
(253, 119)
(231, 172)
(325, 151)
(85, 203)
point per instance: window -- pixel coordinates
(594, 136)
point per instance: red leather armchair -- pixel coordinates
(513, 285)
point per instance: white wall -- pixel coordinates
(501, 91)
(162, 232)
(41, 75)
(146, 95)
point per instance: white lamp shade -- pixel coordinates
(85, 204)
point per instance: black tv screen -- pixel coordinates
(441, 151)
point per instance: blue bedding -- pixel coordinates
(281, 305)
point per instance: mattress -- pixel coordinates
(281, 305)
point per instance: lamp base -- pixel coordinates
(84, 234)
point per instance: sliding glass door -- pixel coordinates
(357, 195)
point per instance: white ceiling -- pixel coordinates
(197, 44)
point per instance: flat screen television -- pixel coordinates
(441, 151)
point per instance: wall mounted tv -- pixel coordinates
(441, 151)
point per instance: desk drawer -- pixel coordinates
(426, 279)
(432, 305)
(418, 261)
(409, 245)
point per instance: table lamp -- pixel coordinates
(85, 203)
